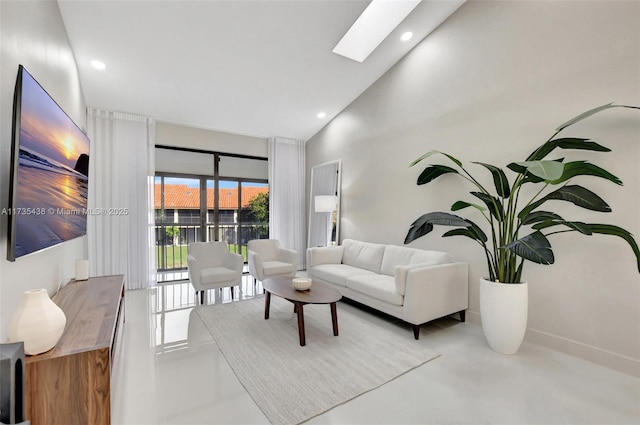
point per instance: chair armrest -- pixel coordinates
(324, 255)
(194, 269)
(435, 291)
(255, 265)
(290, 256)
(236, 262)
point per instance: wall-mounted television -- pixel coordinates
(49, 172)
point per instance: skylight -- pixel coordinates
(377, 21)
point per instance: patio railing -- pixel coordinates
(172, 240)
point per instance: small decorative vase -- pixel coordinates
(39, 322)
(504, 308)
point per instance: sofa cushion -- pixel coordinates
(395, 256)
(272, 268)
(363, 255)
(337, 273)
(217, 275)
(436, 257)
(402, 256)
(380, 286)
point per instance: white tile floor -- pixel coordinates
(170, 371)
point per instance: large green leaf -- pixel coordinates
(499, 179)
(545, 170)
(434, 152)
(583, 168)
(534, 247)
(528, 177)
(424, 224)
(609, 229)
(575, 225)
(577, 195)
(538, 216)
(473, 231)
(460, 205)
(493, 204)
(565, 143)
(591, 112)
(434, 171)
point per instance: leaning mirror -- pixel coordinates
(324, 205)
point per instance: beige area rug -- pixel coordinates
(292, 384)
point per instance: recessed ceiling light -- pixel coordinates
(98, 65)
(321, 115)
(372, 27)
(406, 36)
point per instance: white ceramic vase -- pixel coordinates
(504, 309)
(39, 322)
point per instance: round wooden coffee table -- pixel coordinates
(319, 293)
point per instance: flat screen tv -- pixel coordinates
(49, 172)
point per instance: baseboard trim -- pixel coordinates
(593, 354)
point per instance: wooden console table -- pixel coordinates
(71, 383)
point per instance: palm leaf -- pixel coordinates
(499, 179)
(424, 224)
(434, 152)
(538, 216)
(493, 204)
(577, 195)
(575, 225)
(591, 112)
(534, 247)
(434, 171)
(459, 205)
(545, 170)
(566, 143)
(609, 229)
(473, 231)
(583, 168)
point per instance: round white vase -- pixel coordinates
(504, 308)
(39, 322)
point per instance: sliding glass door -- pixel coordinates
(207, 196)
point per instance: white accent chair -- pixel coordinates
(211, 265)
(267, 259)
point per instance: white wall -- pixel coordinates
(209, 140)
(33, 34)
(491, 84)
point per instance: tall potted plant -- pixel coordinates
(519, 228)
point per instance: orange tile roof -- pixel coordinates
(180, 196)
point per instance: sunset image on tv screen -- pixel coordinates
(52, 173)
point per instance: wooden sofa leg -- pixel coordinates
(416, 331)
(232, 292)
(462, 315)
(201, 297)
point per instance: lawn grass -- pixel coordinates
(176, 255)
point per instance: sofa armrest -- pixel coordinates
(435, 291)
(324, 255)
(402, 272)
(289, 256)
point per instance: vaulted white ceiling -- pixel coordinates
(260, 68)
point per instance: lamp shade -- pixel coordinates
(326, 203)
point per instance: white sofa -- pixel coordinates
(414, 285)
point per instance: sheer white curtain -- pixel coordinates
(286, 194)
(120, 224)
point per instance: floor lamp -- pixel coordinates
(327, 204)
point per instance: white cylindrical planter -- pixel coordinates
(504, 308)
(39, 322)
